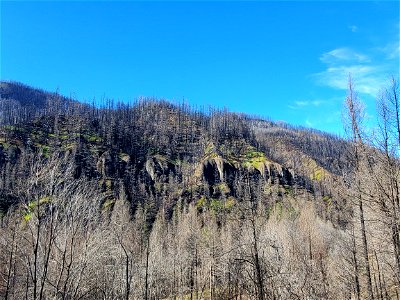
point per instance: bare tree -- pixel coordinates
(355, 115)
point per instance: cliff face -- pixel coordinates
(215, 169)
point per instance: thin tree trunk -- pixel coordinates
(380, 293)
(35, 253)
(356, 269)
(260, 279)
(365, 249)
(10, 265)
(128, 288)
(47, 257)
(146, 280)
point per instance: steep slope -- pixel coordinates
(159, 153)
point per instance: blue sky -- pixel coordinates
(286, 60)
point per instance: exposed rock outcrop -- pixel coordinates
(158, 167)
(217, 169)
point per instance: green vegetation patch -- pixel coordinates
(27, 216)
(253, 158)
(318, 174)
(327, 200)
(200, 203)
(108, 204)
(43, 200)
(215, 205)
(92, 138)
(68, 146)
(222, 187)
(283, 210)
(108, 184)
(44, 149)
(180, 162)
(13, 128)
(9, 127)
(32, 206)
(209, 149)
(5, 145)
(230, 203)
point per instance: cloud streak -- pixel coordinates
(340, 55)
(299, 104)
(353, 28)
(369, 71)
(391, 50)
(369, 79)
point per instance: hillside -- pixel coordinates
(167, 148)
(179, 202)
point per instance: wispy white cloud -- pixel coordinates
(368, 79)
(306, 103)
(309, 123)
(370, 71)
(353, 28)
(391, 50)
(343, 54)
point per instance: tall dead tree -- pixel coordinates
(355, 114)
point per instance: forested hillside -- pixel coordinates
(158, 200)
